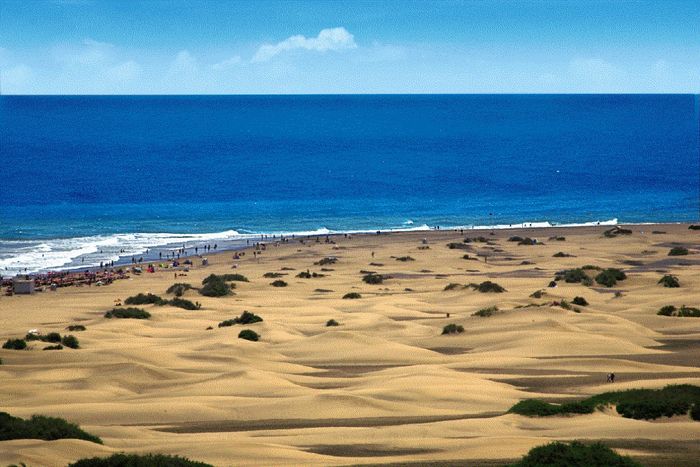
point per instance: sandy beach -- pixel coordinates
(383, 387)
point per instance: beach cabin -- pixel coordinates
(23, 284)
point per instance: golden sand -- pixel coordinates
(385, 386)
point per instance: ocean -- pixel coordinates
(87, 179)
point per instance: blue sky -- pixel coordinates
(272, 47)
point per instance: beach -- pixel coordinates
(385, 386)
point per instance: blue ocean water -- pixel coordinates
(88, 174)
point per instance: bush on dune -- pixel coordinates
(453, 329)
(682, 312)
(488, 287)
(138, 460)
(249, 335)
(145, 299)
(71, 342)
(179, 289)
(486, 312)
(15, 344)
(273, 275)
(373, 278)
(610, 276)
(184, 304)
(215, 286)
(76, 327)
(332, 322)
(580, 301)
(669, 281)
(41, 427)
(351, 296)
(574, 454)
(128, 313)
(245, 318)
(678, 251)
(278, 283)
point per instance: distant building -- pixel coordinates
(22, 284)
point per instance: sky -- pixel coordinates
(321, 47)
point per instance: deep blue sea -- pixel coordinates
(85, 177)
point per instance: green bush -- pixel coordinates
(278, 283)
(669, 281)
(138, 460)
(591, 267)
(373, 278)
(71, 342)
(273, 275)
(215, 286)
(308, 275)
(245, 318)
(486, 312)
(41, 427)
(535, 408)
(145, 299)
(327, 260)
(405, 258)
(179, 289)
(76, 327)
(515, 238)
(488, 287)
(458, 246)
(667, 310)
(453, 329)
(610, 276)
(249, 335)
(678, 251)
(128, 313)
(15, 344)
(232, 277)
(564, 304)
(184, 303)
(695, 411)
(682, 312)
(527, 241)
(574, 454)
(561, 254)
(53, 347)
(332, 322)
(615, 231)
(537, 294)
(572, 276)
(351, 296)
(579, 301)
(453, 286)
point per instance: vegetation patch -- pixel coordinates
(138, 460)
(538, 294)
(610, 276)
(640, 404)
(669, 281)
(528, 241)
(678, 251)
(184, 304)
(488, 287)
(574, 454)
(682, 312)
(179, 289)
(616, 231)
(215, 286)
(580, 301)
(15, 344)
(308, 275)
(273, 275)
(573, 276)
(486, 312)
(515, 238)
(278, 283)
(233, 277)
(458, 246)
(327, 260)
(453, 286)
(76, 327)
(373, 278)
(694, 227)
(405, 258)
(249, 335)
(145, 299)
(332, 322)
(128, 313)
(41, 427)
(245, 318)
(453, 329)
(53, 347)
(70, 342)
(561, 254)
(351, 296)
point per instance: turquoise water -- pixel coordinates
(87, 177)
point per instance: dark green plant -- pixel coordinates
(405, 258)
(667, 310)
(572, 276)
(184, 303)
(53, 347)
(138, 460)
(179, 289)
(278, 283)
(561, 254)
(351, 296)
(453, 286)
(327, 260)
(678, 251)
(682, 312)
(488, 287)
(458, 246)
(610, 276)
(332, 322)
(273, 275)
(669, 281)
(453, 329)
(579, 301)
(15, 344)
(574, 454)
(249, 335)
(245, 318)
(308, 275)
(41, 427)
(515, 238)
(537, 294)
(527, 241)
(128, 313)
(145, 299)
(373, 278)
(486, 312)
(215, 286)
(71, 342)
(76, 327)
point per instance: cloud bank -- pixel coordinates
(327, 39)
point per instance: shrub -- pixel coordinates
(232, 277)
(249, 335)
(76, 327)
(52, 337)
(453, 329)
(572, 276)
(615, 231)
(308, 275)
(327, 260)
(273, 275)
(678, 251)
(41, 427)
(332, 322)
(564, 304)
(351, 296)
(610, 276)
(669, 281)
(486, 312)
(527, 241)
(184, 303)
(278, 283)
(574, 454)
(458, 246)
(70, 341)
(535, 408)
(695, 411)
(53, 347)
(145, 299)
(682, 312)
(179, 289)
(138, 460)
(579, 301)
(561, 254)
(488, 287)
(452, 286)
(537, 294)
(128, 313)
(245, 318)
(667, 310)
(373, 278)
(515, 238)
(405, 258)
(215, 286)
(591, 267)
(15, 344)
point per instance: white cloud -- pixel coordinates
(327, 39)
(226, 64)
(125, 71)
(88, 52)
(184, 62)
(17, 78)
